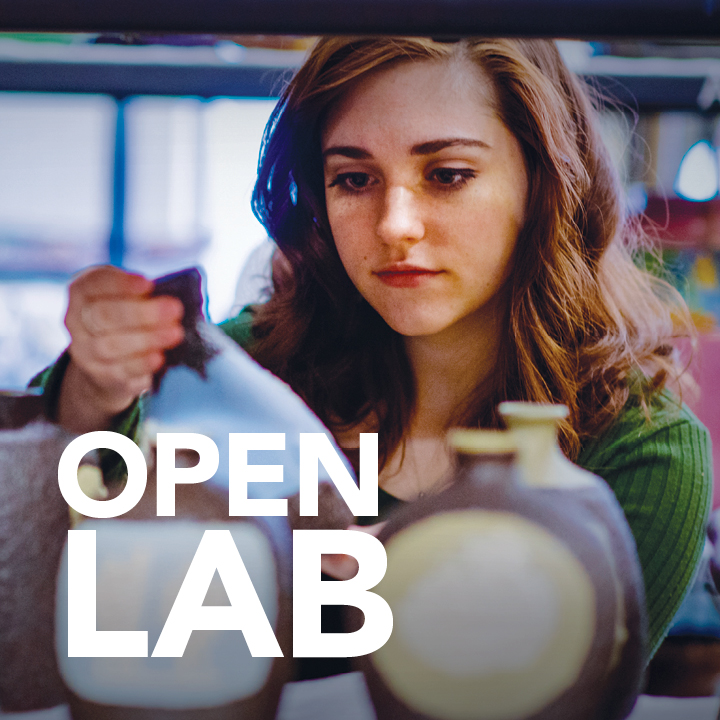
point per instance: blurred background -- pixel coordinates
(133, 150)
(142, 150)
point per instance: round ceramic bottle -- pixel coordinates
(504, 601)
(142, 562)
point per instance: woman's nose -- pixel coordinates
(401, 217)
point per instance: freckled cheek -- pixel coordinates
(352, 254)
(354, 237)
(345, 222)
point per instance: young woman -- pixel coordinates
(452, 235)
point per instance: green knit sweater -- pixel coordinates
(659, 470)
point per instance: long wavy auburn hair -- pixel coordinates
(582, 317)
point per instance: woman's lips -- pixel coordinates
(405, 276)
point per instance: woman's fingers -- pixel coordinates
(109, 347)
(119, 335)
(97, 283)
(107, 299)
(107, 314)
(125, 370)
(107, 280)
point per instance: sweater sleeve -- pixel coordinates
(239, 328)
(126, 423)
(659, 469)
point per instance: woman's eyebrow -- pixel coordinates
(433, 146)
(426, 148)
(349, 151)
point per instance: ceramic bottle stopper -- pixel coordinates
(504, 602)
(544, 467)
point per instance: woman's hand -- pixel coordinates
(344, 567)
(119, 335)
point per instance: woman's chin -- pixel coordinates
(449, 325)
(410, 326)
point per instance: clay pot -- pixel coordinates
(33, 528)
(18, 408)
(504, 600)
(141, 563)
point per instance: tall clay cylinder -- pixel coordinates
(33, 528)
(504, 601)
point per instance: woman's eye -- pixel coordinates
(351, 181)
(452, 177)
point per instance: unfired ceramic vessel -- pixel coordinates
(33, 528)
(505, 597)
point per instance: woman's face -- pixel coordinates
(425, 191)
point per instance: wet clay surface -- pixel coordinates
(493, 484)
(34, 522)
(204, 503)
